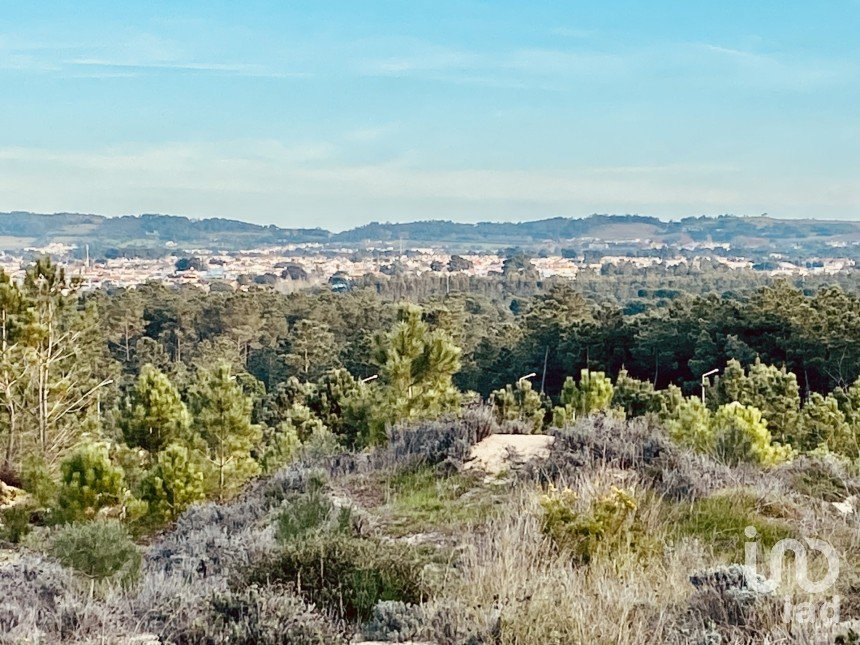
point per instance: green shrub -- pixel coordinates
(260, 615)
(823, 476)
(15, 522)
(741, 435)
(348, 574)
(173, 484)
(37, 480)
(88, 483)
(100, 550)
(304, 513)
(583, 531)
(394, 622)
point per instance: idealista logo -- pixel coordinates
(806, 612)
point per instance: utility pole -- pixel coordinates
(705, 382)
(543, 378)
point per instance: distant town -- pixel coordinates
(294, 266)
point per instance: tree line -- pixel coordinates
(141, 401)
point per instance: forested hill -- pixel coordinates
(22, 229)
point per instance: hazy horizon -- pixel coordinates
(337, 114)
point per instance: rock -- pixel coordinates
(846, 507)
(9, 495)
(499, 453)
(728, 578)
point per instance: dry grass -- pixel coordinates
(504, 580)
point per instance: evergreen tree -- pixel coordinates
(690, 425)
(313, 350)
(416, 367)
(222, 420)
(731, 385)
(13, 312)
(153, 414)
(775, 392)
(174, 483)
(281, 444)
(822, 424)
(849, 403)
(89, 481)
(635, 397)
(62, 389)
(123, 321)
(772, 390)
(520, 403)
(740, 434)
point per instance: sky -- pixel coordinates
(334, 114)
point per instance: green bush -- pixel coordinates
(583, 531)
(348, 575)
(260, 615)
(15, 522)
(304, 513)
(395, 622)
(741, 435)
(100, 550)
(173, 484)
(88, 483)
(824, 476)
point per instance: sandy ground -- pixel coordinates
(499, 452)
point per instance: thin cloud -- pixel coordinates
(275, 181)
(215, 68)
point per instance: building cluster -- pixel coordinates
(315, 264)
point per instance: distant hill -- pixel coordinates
(156, 233)
(21, 229)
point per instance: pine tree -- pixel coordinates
(330, 398)
(222, 420)
(849, 403)
(153, 414)
(416, 367)
(62, 387)
(740, 434)
(174, 483)
(521, 403)
(123, 320)
(775, 392)
(635, 397)
(13, 312)
(731, 385)
(313, 349)
(89, 482)
(823, 425)
(281, 444)
(690, 425)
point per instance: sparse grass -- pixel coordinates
(824, 478)
(719, 521)
(421, 500)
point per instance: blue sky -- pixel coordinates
(338, 113)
